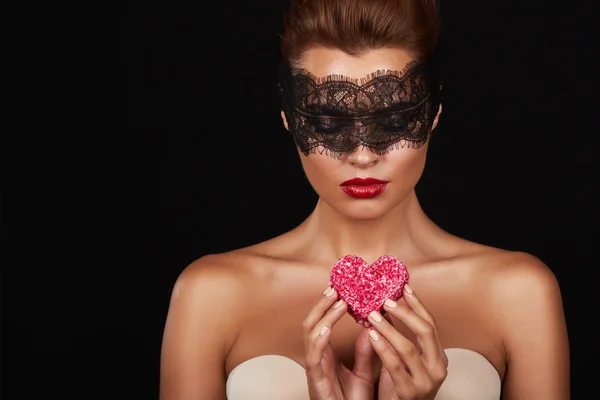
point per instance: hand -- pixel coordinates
(408, 372)
(328, 378)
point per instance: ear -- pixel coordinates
(284, 119)
(437, 118)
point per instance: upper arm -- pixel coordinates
(534, 332)
(197, 334)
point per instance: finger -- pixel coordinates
(413, 301)
(396, 368)
(424, 330)
(331, 317)
(415, 304)
(324, 303)
(407, 351)
(314, 355)
(364, 356)
(317, 340)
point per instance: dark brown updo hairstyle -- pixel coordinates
(358, 26)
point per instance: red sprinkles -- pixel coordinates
(366, 287)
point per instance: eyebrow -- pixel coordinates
(408, 69)
(332, 112)
(324, 111)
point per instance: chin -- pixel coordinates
(364, 210)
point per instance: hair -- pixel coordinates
(359, 26)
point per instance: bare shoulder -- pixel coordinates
(209, 272)
(208, 293)
(500, 278)
(204, 318)
(224, 278)
(524, 301)
(221, 277)
(522, 286)
(513, 273)
(516, 286)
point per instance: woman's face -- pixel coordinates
(401, 167)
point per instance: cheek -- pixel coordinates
(320, 169)
(407, 165)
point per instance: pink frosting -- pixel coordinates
(366, 287)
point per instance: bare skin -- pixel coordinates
(232, 307)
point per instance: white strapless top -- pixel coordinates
(272, 377)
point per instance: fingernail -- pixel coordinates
(329, 291)
(338, 304)
(373, 335)
(323, 330)
(390, 303)
(408, 290)
(375, 316)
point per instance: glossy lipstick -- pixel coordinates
(364, 188)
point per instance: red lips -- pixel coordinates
(363, 182)
(364, 188)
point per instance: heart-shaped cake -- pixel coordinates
(366, 287)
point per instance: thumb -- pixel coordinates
(364, 356)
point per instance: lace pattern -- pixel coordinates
(383, 111)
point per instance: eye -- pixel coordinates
(397, 119)
(327, 126)
(393, 129)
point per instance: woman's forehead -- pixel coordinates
(322, 62)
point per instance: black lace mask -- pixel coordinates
(384, 111)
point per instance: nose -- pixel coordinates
(362, 157)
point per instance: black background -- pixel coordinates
(142, 138)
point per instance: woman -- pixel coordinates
(361, 98)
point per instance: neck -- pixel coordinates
(397, 233)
